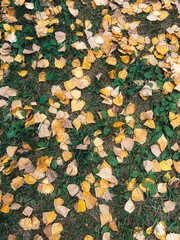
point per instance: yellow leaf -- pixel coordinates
(29, 179)
(72, 168)
(23, 73)
(60, 63)
(125, 59)
(118, 100)
(119, 138)
(166, 165)
(8, 198)
(11, 150)
(137, 195)
(131, 184)
(51, 216)
(66, 155)
(86, 65)
(113, 226)
(176, 122)
(150, 123)
(130, 121)
(85, 186)
(19, 58)
(56, 228)
(104, 91)
(163, 15)
(111, 61)
(149, 230)
(105, 215)
(177, 166)
(76, 94)
(140, 135)
(77, 124)
(130, 109)
(77, 105)
(58, 201)
(17, 182)
(129, 206)
(123, 74)
(45, 188)
(98, 190)
(88, 237)
(77, 72)
(5, 209)
(90, 178)
(89, 200)
(158, 55)
(69, 85)
(111, 113)
(160, 231)
(162, 141)
(81, 206)
(168, 87)
(26, 223)
(42, 77)
(162, 49)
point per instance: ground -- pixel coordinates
(89, 119)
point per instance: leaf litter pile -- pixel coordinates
(89, 108)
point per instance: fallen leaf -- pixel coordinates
(160, 230)
(81, 206)
(129, 206)
(169, 206)
(73, 189)
(140, 135)
(137, 195)
(162, 141)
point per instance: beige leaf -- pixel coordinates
(106, 236)
(129, 206)
(15, 206)
(139, 235)
(148, 165)
(62, 210)
(11, 150)
(173, 236)
(43, 129)
(73, 189)
(105, 215)
(27, 211)
(60, 36)
(74, 12)
(101, 2)
(3, 103)
(162, 187)
(12, 237)
(155, 149)
(105, 173)
(177, 166)
(79, 45)
(127, 143)
(169, 206)
(72, 169)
